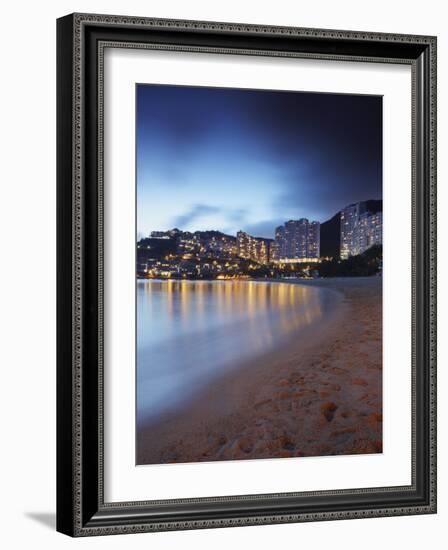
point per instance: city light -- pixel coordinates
(297, 239)
(295, 251)
(360, 229)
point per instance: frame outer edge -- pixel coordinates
(220, 26)
(65, 372)
(433, 274)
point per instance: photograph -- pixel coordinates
(259, 233)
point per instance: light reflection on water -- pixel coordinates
(190, 332)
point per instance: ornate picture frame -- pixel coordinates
(81, 42)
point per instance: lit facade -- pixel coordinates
(187, 243)
(360, 229)
(297, 239)
(371, 230)
(313, 240)
(221, 246)
(256, 249)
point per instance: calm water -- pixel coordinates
(190, 332)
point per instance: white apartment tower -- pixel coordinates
(360, 229)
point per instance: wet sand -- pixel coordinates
(321, 394)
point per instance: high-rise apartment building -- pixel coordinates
(360, 229)
(256, 249)
(313, 242)
(370, 230)
(297, 239)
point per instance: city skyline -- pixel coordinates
(360, 227)
(296, 250)
(231, 159)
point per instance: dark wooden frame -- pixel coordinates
(81, 39)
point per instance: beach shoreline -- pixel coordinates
(320, 395)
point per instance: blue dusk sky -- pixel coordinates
(231, 159)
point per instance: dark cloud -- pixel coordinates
(331, 145)
(325, 192)
(197, 211)
(236, 215)
(324, 149)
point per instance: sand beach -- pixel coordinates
(321, 394)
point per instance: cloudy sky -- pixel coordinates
(231, 159)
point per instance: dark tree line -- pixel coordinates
(365, 264)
